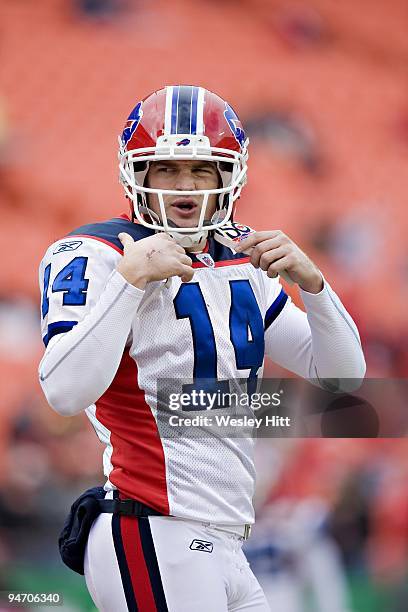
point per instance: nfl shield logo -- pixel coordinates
(206, 259)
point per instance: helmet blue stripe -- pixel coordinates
(194, 111)
(184, 110)
(174, 109)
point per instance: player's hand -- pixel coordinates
(154, 258)
(274, 252)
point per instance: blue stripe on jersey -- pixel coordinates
(184, 109)
(275, 309)
(174, 109)
(59, 327)
(152, 565)
(109, 230)
(194, 111)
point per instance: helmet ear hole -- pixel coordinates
(140, 170)
(223, 201)
(225, 172)
(225, 166)
(139, 166)
(149, 214)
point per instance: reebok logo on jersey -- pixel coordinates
(67, 246)
(202, 545)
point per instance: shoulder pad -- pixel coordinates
(107, 231)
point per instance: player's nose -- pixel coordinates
(185, 181)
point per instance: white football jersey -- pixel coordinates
(218, 326)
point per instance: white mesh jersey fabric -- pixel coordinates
(333, 351)
(209, 478)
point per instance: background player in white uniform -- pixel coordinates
(113, 324)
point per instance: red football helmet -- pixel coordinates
(183, 122)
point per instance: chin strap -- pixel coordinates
(187, 241)
(195, 240)
(190, 241)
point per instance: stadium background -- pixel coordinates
(322, 88)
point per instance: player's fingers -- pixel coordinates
(179, 249)
(186, 274)
(267, 258)
(254, 239)
(262, 248)
(279, 267)
(125, 239)
(186, 260)
(166, 236)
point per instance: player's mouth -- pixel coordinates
(185, 207)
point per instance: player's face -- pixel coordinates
(183, 175)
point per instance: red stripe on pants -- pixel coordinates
(136, 563)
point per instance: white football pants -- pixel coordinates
(161, 563)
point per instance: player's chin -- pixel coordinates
(183, 222)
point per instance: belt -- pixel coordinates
(244, 531)
(127, 507)
(132, 507)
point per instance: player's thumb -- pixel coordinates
(187, 275)
(125, 239)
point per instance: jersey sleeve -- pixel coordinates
(322, 344)
(72, 276)
(87, 309)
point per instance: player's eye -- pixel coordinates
(204, 170)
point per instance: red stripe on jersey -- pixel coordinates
(139, 574)
(99, 240)
(227, 262)
(139, 470)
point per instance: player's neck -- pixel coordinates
(199, 247)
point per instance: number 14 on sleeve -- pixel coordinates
(70, 280)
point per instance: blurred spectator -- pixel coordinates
(3, 130)
(295, 559)
(301, 27)
(101, 10)
(290, 136)
(19, 320)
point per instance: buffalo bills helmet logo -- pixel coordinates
(132, 123)
(184, 142)
(233, 120)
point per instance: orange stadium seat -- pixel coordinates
(70, 83)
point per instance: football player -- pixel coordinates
(157, 295)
